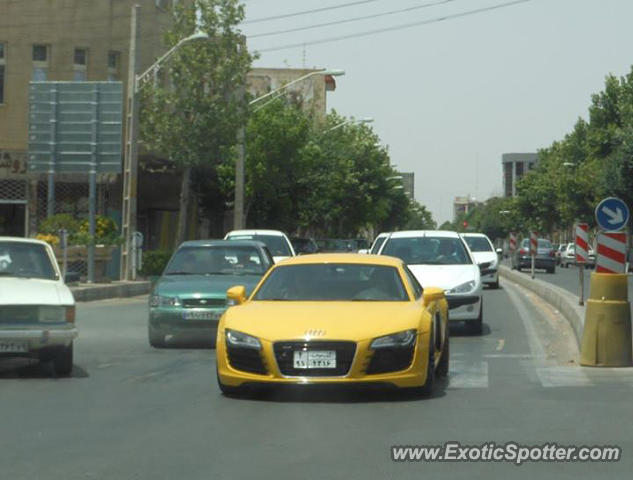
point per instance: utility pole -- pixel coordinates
(130, 161)
(238, 206)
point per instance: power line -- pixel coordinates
(396, 27)
(307, 12)
(349, 20)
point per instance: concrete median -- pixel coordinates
(565, 302)
(91, 292)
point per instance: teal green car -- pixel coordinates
(190, 297)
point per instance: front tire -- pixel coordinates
(156, 339)
(442, 367)
(63, 361)
(477, 326)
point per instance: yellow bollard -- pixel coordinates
(606, 338)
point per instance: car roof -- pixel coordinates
(424, 233)
(23, 240)
(343, 258)
(222, 243)
(256, 232)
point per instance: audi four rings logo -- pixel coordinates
(314, 333)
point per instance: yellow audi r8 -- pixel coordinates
(337, 319)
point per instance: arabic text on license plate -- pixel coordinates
(201, 315)
(314, 359)
(13, 348)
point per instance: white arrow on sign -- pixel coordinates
(616, 217)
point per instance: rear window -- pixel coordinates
(276, 244)
(478, 244)
(544, 244)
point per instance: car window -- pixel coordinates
(415, 285)
(21, 259)
(544, 244)
(215, 260)
(275, 243)
(478, 244)
(377, 244)
(333, 282)
(428, 250)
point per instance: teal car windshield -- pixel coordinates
(217, 260)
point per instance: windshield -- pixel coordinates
(18, 259)
(333, 282)
(478, 244)
(209, 260)
(276, 243)
(428, 250)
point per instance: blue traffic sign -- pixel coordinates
(612, 214)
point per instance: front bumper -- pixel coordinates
(412, 376)
(463, 307)
(171, 321)
(38, 337)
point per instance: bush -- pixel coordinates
(154, 262)
(53, 224)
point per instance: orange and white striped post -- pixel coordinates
(581, 248)
(611, 254)
(513, 243)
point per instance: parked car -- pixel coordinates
(441, 258)
(484, 251)
(543, 260)
(303, 246)
(559, 252)
(277, 242)
(393, 333)
(37, 310)
(190, 296)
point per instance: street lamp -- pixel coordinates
(238, 210)
(130, 160)
(350, 120)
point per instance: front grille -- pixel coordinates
(245, 359)
(19, 314)
(203, 302)
(284, 354)
(386, 360)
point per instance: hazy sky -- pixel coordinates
(448, 98)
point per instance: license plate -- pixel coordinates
(314, 359)
(13, 348)
(201, 315)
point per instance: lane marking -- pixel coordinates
(501, 344)
(467, 374)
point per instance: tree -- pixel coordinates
(194, 115)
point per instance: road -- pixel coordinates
(133, 412)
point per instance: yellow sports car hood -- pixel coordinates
(279, 320)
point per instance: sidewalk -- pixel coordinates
(86, 292)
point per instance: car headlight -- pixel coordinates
(400, 339)
(162, 301)
(466, 287)
(239, 339)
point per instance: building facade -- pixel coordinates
(463, 205)
(515, 165)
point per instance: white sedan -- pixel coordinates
(277, 242)
(441, 258)
(37, 310)
(484, 253)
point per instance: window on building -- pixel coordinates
(80, 64)
(3, 62)
(40, 63)
(114, 66)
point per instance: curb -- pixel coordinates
(110, 290)
(564, 301)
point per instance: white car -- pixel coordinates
(37, 310)
(277, 242)
(484, 253)
(378, 241)
(441, 258)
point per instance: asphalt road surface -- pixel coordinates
(133, 412)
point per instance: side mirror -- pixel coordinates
(236, 295)
(363, 251)
(499, 251)
(484, 268)
(432, 294)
